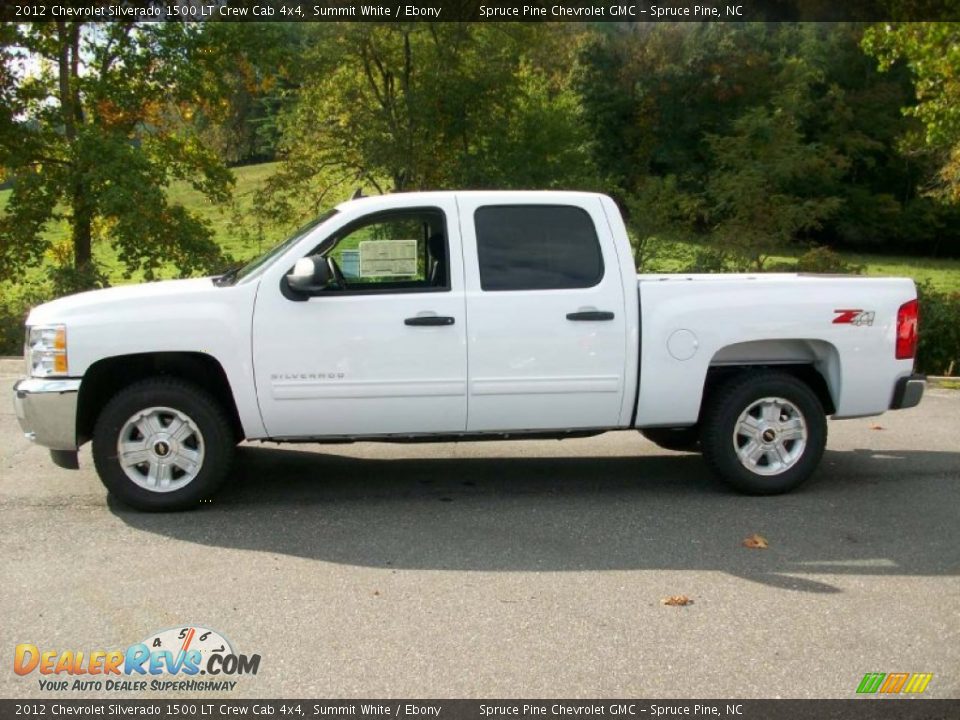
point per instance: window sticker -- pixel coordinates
(388, 258)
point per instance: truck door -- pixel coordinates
(383, 352)
(546, 332)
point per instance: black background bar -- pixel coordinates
(199, 708)
(479, 10)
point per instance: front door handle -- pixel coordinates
(590, 315)
(428, 320)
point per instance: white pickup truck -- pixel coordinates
(461, 316)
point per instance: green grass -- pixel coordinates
(943, 274)
(223, 219)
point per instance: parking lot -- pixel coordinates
(509, 569)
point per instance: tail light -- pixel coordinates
(907, 319)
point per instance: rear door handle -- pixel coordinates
(590, 315)
(422, 320)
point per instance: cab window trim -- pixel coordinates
(330, 242)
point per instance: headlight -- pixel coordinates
(46, 350)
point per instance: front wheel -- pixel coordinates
(162, 444)
(764, 432)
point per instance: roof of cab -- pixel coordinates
(497, 195)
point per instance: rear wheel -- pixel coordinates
(764, 432)
(682, 439)
(162, 444)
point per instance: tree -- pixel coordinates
(92, 133)
(762, 194)
(673, 121)
(428, 106)
(931, 50)
(250, 73)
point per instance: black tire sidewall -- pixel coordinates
(188, 399)
(717, 443)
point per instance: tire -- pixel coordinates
(180, 434)
(763, 432)
(683, 439)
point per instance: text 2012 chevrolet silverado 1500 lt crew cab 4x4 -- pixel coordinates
(454, 316)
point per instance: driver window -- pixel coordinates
(402, 250)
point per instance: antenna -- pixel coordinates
(358, 193)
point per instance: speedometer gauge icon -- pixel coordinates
(181, 640)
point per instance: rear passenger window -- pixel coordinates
(537, 247)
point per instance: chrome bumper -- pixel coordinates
(47, 411)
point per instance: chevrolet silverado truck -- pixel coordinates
(461, 316)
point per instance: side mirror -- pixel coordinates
(310, 275)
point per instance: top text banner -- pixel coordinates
(477, 11)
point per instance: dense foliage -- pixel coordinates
(426, 106)
(939, 350)
(92, 131)
(754, 137)
(931, 50)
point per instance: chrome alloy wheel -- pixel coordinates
(770, 436)
(160, 449)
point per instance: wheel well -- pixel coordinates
(105, 378)
(806, 373)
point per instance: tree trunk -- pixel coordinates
(64, 67)
(82, 233)
(68, 38)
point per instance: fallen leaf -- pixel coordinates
(755, 542)
(876, 426)
(677, 600)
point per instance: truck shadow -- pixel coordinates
(864, 513)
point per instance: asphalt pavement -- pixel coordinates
(508, 569)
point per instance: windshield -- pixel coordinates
(239, 273)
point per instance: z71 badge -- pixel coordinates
(854, 317)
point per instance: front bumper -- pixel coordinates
(47, 411)
(908, 391)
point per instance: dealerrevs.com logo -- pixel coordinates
(187, 658)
